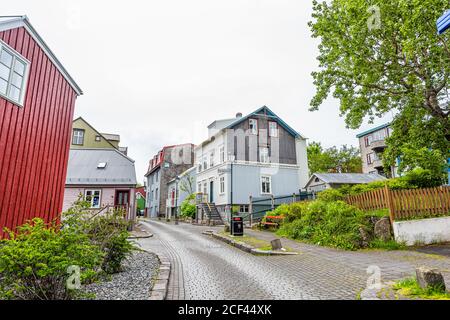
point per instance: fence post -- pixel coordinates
(293, 198)
(272, 202)
(390, 206)
(250, 210)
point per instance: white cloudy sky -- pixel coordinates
(158, 72)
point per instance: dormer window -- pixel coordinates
(78, 137)
(13, 75)
(253, 126)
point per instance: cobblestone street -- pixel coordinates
(204, 268)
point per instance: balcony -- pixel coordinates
(378, 145)
(377, 164)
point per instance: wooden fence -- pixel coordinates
(404, 204)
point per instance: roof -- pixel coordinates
(183, 174)
(163, 150)
(269, 113)
(100, 134)
(373, 130)
(14, 22)
(141, 190)
(347, 178)
(82, 168)
(112, 137)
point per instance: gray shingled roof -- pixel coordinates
(347, 178)
(82, 168)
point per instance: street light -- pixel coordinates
(231, 158)
(177, 179)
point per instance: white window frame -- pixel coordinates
(23, 90)
(222, 154)
(253, 125)
(270, 184)
(273, 129)
(222, 185)
(78, 136)
(205, 162)
(264, 156)
(92, 191)
(211, 158)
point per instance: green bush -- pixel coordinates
(422, 178)
(327, 223)
(107, 231)
(188, 207)
(34, 261)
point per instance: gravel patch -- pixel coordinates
(133, 283)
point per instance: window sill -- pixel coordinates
(17, 104)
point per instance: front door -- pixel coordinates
(211, 192)
(122, 198)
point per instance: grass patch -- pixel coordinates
(254, 242)
(386, 245)
(410, 288)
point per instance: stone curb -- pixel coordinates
(161, 283)
(247, 248)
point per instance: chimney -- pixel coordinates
(238, 115)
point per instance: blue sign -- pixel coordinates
(443, 23)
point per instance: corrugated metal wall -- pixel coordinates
(35, 139)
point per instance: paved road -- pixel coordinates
(205, 268)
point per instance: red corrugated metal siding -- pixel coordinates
(35, 139)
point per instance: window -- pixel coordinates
(222, 154)
(205, 188)
(93, 197)
(266, 185)
(199, 187)
(243, 208)
(371, 157)
(205, 162)
(78, 137)
(253, 126)
(222, 185)
(156, 194)
(199, 164)
(369, 139)
(97, 138)
(366, 141)
(264, 155)
(211, 159)
(273, 129)
(13, 74)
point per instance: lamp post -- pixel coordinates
(231, 158)
(177, 179)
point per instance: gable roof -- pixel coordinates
(82, 168)
(100, 134)
(14, 22)
(264, 110)
(141, 191)
(373, 130)
(347, 178)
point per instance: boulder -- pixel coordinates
(365, 238)
(276, 244)
(427, 278)
(382, 229)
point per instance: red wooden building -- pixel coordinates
(37, 100)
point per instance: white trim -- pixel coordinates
(222, 192)
(23, 90)
(99, 197)
(23, 21)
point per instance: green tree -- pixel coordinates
(380, 56)
(344, 160)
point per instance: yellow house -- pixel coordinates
(85, 136)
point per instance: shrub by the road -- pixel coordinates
(34, 261)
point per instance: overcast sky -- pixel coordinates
(158, 72)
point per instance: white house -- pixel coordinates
(255, 155)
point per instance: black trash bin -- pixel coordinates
(237, 226)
